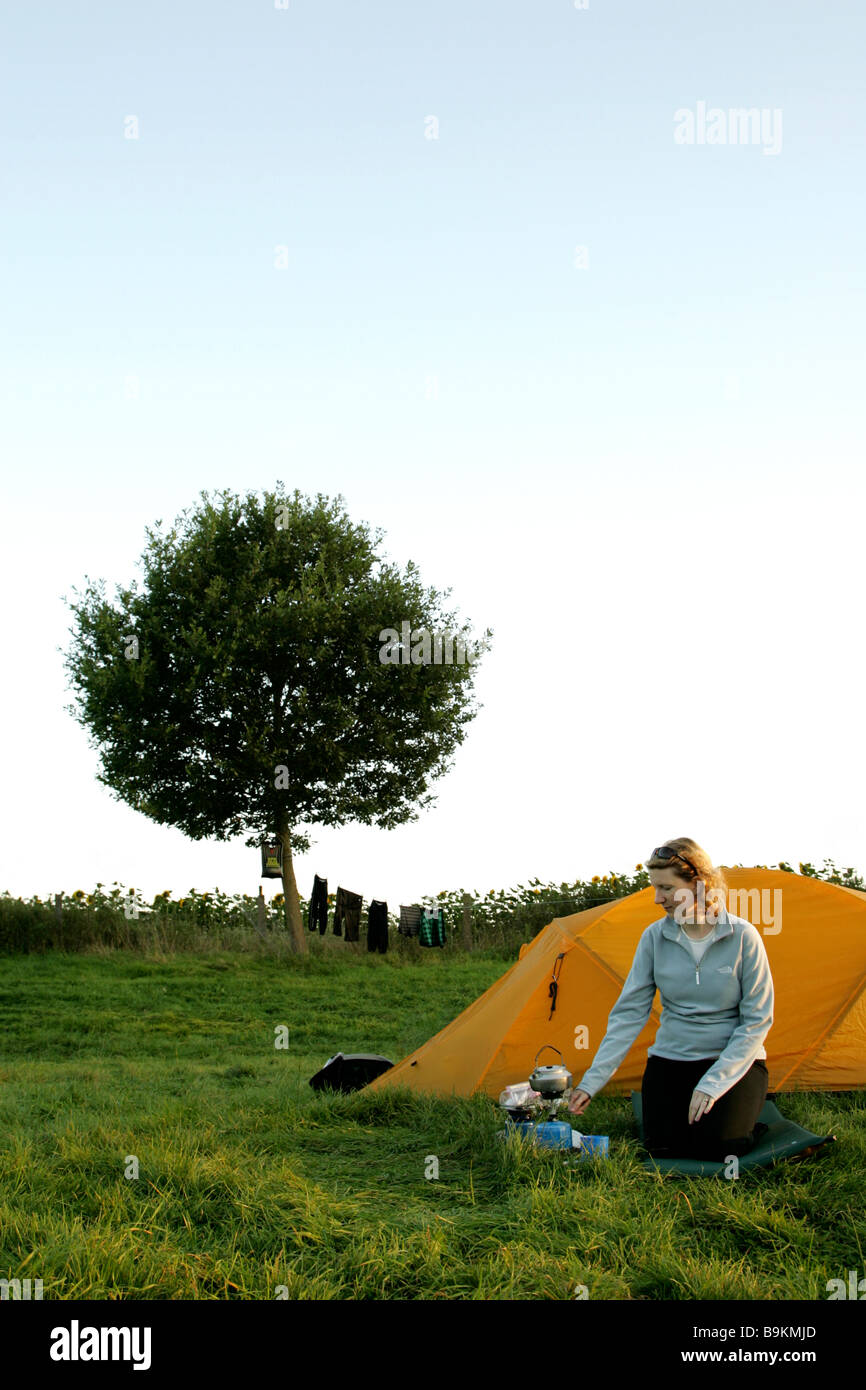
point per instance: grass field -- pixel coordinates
(252, 1186)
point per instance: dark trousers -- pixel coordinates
(318, 916)
(666, 1091)
(347, 908)
(377, 927)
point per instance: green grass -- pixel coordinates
(249, 1182)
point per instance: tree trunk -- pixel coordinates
(294, 921)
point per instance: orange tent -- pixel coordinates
(815, 937)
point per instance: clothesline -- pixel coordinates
(272, 868)
(476, 902)
(542, 902)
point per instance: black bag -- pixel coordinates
(350, 1071)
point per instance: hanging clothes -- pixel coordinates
(410, 919)
(431, 931)
(318, 914)
(348, 909)
(377, 927)
(338, 913)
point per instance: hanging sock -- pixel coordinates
(318, 914)
(377, 926)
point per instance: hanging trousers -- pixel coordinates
(377, 927)
(347, 908)
(338, 913)
(318, 915)
(728, 1128)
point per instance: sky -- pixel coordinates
(516, 282)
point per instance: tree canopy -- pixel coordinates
(254, 685)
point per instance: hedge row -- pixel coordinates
(500, 920)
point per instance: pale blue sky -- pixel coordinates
(638, 470)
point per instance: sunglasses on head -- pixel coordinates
(665, 852)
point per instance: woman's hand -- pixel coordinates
(700, 1104)
(579, 1101)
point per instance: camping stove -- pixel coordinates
(540, 1110)
(535, 1117)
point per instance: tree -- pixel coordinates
(250, 688)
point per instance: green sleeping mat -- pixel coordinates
(783, 1139)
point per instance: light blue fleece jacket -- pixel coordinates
(721, 1007)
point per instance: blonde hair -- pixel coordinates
(711, 876)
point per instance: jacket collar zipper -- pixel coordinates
(698, 964)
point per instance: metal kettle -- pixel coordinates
(550, 1080)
